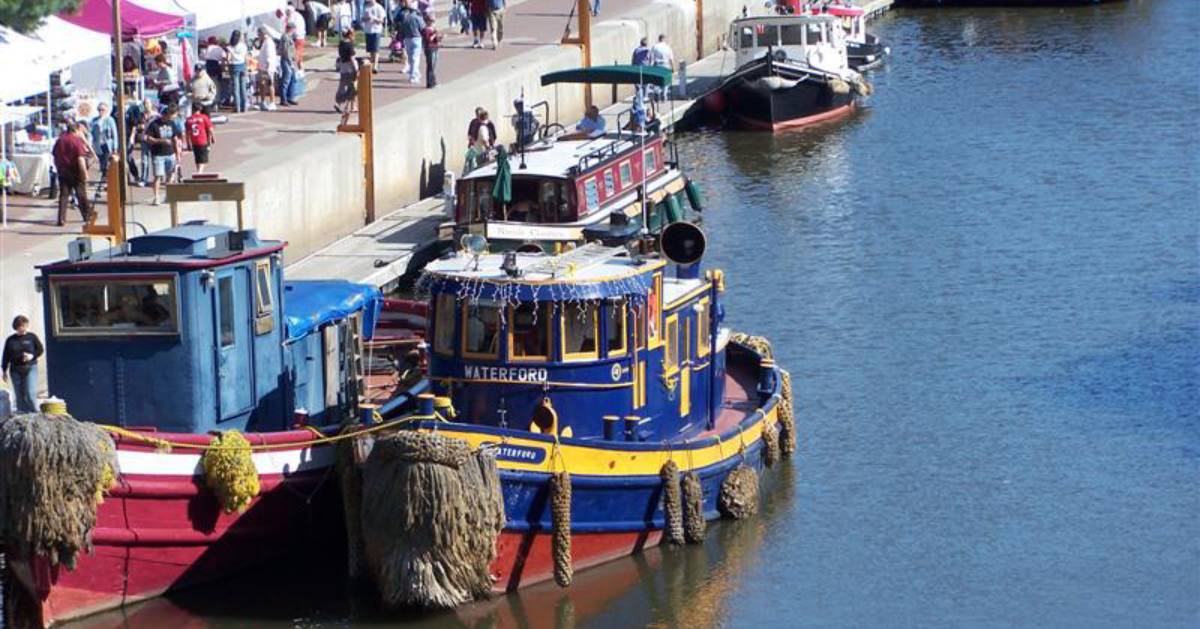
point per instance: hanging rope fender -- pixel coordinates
(54, 473)
(672, 504)
(738, 499)
(560, 513)
(694, 526)
(229, 471)
(787, 417)
(770, 439)
(431, 511)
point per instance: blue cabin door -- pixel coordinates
(235, 378)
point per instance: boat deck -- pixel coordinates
(740, 401)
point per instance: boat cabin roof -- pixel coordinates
(552, 158)
(775, 18)
(591, 271)
(186, 247)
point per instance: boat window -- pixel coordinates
(768, 35)
(483, 196)
(816, 34)
(592, 193)
(654, 311)
(472, 212)
(610, 185)
(639, 325)
(703, 328)
(651, 161)
(580, 331)
(614, 326)
(792, 35)
(264, 310)
(97, 307)
(443, 334)
(225, 303)
(481, 329)
(747, 38)
(548, 197)
(671, 345)
(529, 326)
(626, 173)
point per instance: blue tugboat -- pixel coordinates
(170, 339)
(611, 365)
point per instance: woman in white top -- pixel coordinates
(237, 70)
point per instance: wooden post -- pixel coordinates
(584, 40)
(699, 29)
(116, 210)
(119, 111)
(366, 129)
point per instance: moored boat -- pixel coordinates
(599, 381)
(792, 70)
(864, 50)
(163, 342)
(555, 187)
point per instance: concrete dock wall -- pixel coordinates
(313, 193)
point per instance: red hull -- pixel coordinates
(158, 532)
(525, 558)
(798, 122)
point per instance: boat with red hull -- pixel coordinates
(202, 312)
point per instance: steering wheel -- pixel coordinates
(552, 129)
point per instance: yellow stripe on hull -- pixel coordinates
(600, 461)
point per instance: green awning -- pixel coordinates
(621, 75)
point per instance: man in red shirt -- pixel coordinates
(200, 136)
(70, 162)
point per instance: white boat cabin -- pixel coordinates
(817, 41)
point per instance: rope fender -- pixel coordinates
(738, 499)
(672, 504)
(694, 526)
(787, 416)
(560, 512)
(229, 471)
(771, 444)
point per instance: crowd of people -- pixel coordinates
(265, 70)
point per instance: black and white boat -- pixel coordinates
(792, 70)
(863, 50)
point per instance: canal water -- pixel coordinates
(987, 286)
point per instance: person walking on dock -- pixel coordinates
(410, 27)
(431, 41)
(161, 135)
(479, 20)
(200, 136)
(662, 56)
(347, 91)
(104, 139)
(287, 66)
(21, 352)
(496, 21)
(373, 18)
(70, 154)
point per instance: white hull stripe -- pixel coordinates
(267, 463)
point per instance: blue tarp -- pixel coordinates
(309, 304)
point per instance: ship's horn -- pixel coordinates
(682, 243)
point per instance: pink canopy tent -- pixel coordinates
(136, 21)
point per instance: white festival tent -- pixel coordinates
(216, 17)
(55, 45)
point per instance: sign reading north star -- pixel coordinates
(510, 374)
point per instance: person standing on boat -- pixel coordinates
(21, 353)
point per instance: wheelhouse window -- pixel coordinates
(671, 345)
(529, 330)
(481, 329)
(746, 40)
(225, 304)
(614, 328)
(654, 312)
(89, 307)
(791, 35)
(483, 199)
(703, 328)
(264, 302)
(580, 330)
(816, 34)
(443, 333)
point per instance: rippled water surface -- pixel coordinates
(987, 285)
